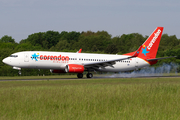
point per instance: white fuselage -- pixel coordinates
(58, 60)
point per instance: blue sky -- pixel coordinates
(20, 18)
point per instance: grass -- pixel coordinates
(89, 99)
(36, 77)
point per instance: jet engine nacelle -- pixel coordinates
(74, 68)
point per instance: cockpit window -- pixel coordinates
(13, 55)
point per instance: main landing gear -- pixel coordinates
(88, 75)
(19, 72)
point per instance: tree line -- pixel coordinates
(90, 42)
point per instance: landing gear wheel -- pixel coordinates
(19, 72)
(89, 75)
(80, 75)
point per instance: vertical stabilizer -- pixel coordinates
(149, 48)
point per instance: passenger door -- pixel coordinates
(26, 57)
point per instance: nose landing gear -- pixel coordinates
(19, 72)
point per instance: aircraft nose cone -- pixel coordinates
(5, 60)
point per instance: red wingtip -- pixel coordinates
(79, 50)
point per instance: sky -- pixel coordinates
(20, 18)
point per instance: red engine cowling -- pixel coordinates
(74, 68)
(57, 71)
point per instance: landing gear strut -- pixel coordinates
(19, 72)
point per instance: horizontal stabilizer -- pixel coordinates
(160, 58)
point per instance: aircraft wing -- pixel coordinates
(110, 63)
(104, 63)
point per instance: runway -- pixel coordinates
(95, 77)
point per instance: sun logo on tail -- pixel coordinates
(144, 51)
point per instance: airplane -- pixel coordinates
(66, 62)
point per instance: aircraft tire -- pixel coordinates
(89, 75)
(19, 72)
(80, 75)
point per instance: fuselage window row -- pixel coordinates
(82, 59)
(124, 61)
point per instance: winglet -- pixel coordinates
(79, 50)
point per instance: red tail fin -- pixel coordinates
(150, 46)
